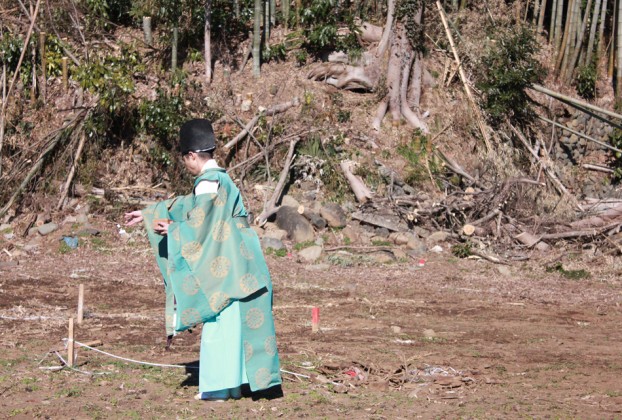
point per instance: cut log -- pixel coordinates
(361, 192)
(380, 221)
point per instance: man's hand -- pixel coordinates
(133, 218)
(161, 226)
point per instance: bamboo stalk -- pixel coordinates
(619, 53)
(570, 41)
(585, 136)
(257, 38)
(594, 27)
(174, 44)
(478, 115)
(579, 45)
(601, 29)
(4, 99)
(552, 22)
(42, 53)
(540, 27)
(147, 30)
(576, 102)
(558, 25)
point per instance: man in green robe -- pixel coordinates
(214, 273)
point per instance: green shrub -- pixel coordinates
(508, 68)
(585, 81)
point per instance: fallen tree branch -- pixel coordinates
(558, 184)
(72, 172)
(478, 115)
(55, 139)
(270, 208)
(268, 112)
(585, 136)
(580, 233)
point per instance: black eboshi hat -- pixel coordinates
(197, 136)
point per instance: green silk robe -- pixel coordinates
(210, 258)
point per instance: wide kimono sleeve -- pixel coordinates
(209, 260)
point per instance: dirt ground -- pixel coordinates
(452, 339)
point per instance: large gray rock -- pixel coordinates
(437, 237)
(47, 228)
(310, 254)
(416, 245)
(298, 228)
(334, 215)
(352, 234)
(382, 257)
(400, 238)
(279, 234)
(273, 243)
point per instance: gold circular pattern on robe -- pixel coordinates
(218, 301)
(221, 231)
(248, 350)
(262, 378)
(245, 252)
(191, 251)
(220, 267)
(196, 217)
(170, 267)
(190, 285)
(221, 200)
(249, 283)
(269, 345)
(190, 317)
(254, 318)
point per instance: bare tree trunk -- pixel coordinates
(590, 44)
(613, 42)
(207, 40)
(536, 12)
(394, 73)
(257, 38)
(388, 29)
(579, 46)
(236, 8)
(619, 53)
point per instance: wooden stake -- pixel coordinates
(80, 303)
(315, 320)
(70, 344)
(174, 49)
(147, 30)
(65, 74)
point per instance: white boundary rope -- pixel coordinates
(158, 364)
(130, 360)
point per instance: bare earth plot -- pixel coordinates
(452, 339)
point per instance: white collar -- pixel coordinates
(210, 164)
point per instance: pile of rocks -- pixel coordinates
(309, 230)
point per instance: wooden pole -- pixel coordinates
(42, 53)
(65, 74)
(80, 303)
(4, 99)
(174, 49)
(70, 344)
(147, 30)
(478, 115)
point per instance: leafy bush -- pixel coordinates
(110, 77)
(322, 20)
(506, 71)
(585, 81)
(420, 158)
(162, 117)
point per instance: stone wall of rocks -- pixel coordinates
(572, 150)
